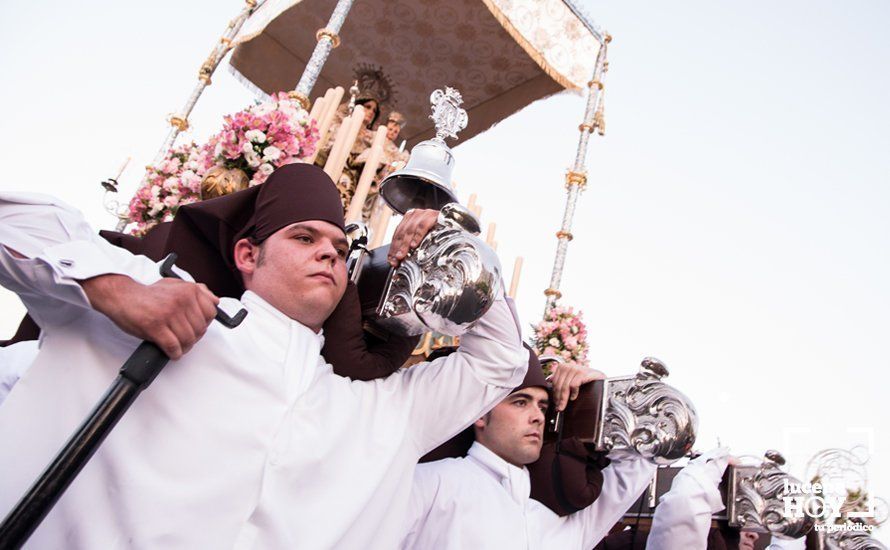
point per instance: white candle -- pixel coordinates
(378, 231)
(330, 108)
(331, 101)
(489, 236)
(354, 212)
(353, 128)
(317, 109)
(514, 281)
(334, 153)
(123, 167)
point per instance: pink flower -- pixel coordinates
(174, 181)
(562, 332)
(280, 128)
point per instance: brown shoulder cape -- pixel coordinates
(351, 351)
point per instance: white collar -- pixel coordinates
(513, 479)
(275, 328)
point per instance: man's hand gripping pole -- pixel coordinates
(136, 374)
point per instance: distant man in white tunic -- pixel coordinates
(482, 501)
(248, 440)
(683, 517)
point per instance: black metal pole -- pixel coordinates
(135, 375)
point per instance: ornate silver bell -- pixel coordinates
(425, 182)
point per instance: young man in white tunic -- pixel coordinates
(482, 501)
(248, 440)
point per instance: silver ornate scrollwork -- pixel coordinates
(647, 416)
(757, 500)
(446, 284)
(850, 540)
(843, 476)
(447, 113)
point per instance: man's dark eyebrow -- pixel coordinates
(315, 233)
(530, 397)
(302, 227)
(523, 395)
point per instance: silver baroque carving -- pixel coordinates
(647, 416)
(850, 540)
(446, 284)
(757, 501)
(448, 115)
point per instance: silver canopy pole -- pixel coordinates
(576, 178)
(328, 38)
(179, 122)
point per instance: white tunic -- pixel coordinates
(248, 441)
(683, 516)
(482, 502)
(14, 361)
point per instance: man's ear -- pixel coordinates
(246, 256)
(480, 424)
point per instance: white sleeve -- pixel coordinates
(781, 544)
(683, 515)
(14, 361)
(59, 249)
(448, 394)
(423, 493)
(623, 482)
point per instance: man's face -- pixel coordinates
(392, 130)
(514, 429)
(747, 540)
(300, 269)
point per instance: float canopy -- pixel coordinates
(500, 54)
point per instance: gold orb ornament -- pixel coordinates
(221, 181)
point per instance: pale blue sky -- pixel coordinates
(735, 222)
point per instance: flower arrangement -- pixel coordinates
(562, 333)
(265, 136)
(256, 141)
(167, 185)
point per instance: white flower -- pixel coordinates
(271, 153)
(289, 109)
(256, 136)
(155, 191)
(217, 151)
(253, 159)
(247, 147)
(266, 169)
(554, 342)
(263, 108)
